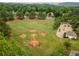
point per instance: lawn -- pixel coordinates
(50, 42)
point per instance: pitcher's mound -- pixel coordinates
(33, 35)
(23, 36)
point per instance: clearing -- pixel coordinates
(24, 30)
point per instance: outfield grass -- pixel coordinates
(49, 44)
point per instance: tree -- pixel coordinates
(32, 15)
(19, 15)
(3, 15)
(10, 16)
(42, 15)
(27, 13)
(77, 30)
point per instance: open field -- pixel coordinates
(49, 44)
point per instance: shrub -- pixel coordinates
(61, 52)
(5, 29)
(10, 50)
(67, 45)
(1, 36)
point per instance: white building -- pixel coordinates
(66, 30)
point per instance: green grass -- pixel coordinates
(50, 43)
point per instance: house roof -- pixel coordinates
(71, 34)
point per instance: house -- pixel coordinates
(66, 30)
(50, 15)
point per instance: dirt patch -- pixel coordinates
(43, 34)
(23, 36)
(33, 35)
(34, 43)
(33, 31)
